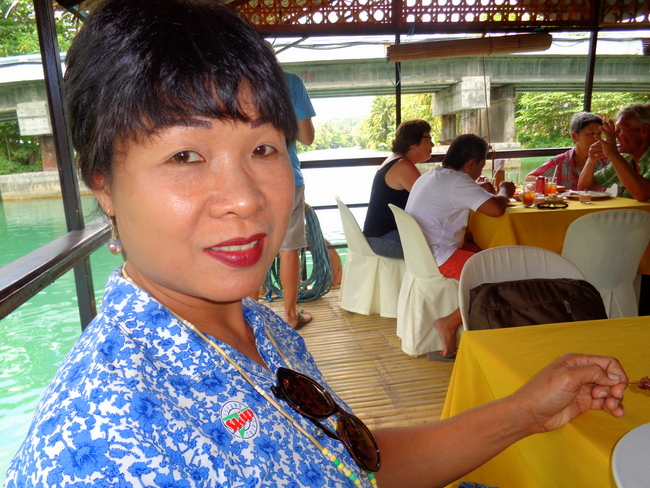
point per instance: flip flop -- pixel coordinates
(436, 356)
(302, 320)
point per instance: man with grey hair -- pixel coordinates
(629, 166)
(584, 127)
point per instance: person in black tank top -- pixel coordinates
(392, 184)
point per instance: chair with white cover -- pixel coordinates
(426, 295)
(510, 263)
(608, 246)
(370, 282)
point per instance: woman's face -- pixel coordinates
(422, 151)
(587, 136)
(201, 210)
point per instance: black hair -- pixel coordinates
(139, 66)
(464, 148)
(408, 133)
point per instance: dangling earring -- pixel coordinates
(114, 245)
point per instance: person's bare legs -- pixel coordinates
(446, 328)
(290, 279)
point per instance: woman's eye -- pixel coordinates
(263, 150)
(186, 157)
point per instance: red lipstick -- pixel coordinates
(239, 252)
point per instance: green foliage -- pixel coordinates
(19, 153)
(8, 167)
(543, 118)
(379, 128)
(334, 134)
(18, 28)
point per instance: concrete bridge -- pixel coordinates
(459, 84)
(525, 73)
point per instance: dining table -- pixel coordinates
(545, 228)
(492, 364)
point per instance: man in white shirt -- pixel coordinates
(440, 201)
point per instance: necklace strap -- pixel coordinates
(325, 451)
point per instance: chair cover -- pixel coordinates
(426, 295)
(608, 246)
(507, 263)
(370, 282)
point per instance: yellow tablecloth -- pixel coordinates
(493, 363)
(543, 228)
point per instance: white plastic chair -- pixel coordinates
(370, 282)
(426, 295)
(508, 263)
(607, 246)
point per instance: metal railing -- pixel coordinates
(23, 278)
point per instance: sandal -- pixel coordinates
(437, 356)
(303, 319)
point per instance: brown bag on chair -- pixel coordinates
(532, 302)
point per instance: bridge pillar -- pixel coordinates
(448, 128)
(467, 101)
(48, 153)
(34, 120)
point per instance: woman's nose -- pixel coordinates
(237, 192)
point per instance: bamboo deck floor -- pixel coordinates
(362, 360)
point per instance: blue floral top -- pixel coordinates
(141, 400)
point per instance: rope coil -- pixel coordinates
(319, 282)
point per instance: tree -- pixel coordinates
(17, 154)
(18, 28)
(380, 127)
(334, 134)
(543, 118)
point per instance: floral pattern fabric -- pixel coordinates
(142, 401)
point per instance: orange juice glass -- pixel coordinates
(528, 198)
(550, 188)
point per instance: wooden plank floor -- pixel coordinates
(362, 360)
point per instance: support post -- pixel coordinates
(53, 75)
(398, 89)
(591, 66)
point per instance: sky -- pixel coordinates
(337, 108)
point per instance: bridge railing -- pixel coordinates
(24, 277)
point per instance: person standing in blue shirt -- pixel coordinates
(295, 238)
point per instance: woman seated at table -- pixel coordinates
(585, 129)
(181, 380)
(392, 184)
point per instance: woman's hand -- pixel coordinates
(569, 387)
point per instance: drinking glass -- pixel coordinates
(551, 186)
(514, 177)
(528, 193)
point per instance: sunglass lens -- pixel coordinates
(360, 442)
(307, 396)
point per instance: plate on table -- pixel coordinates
(554, 199)
(631, 457)
(595, 195)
